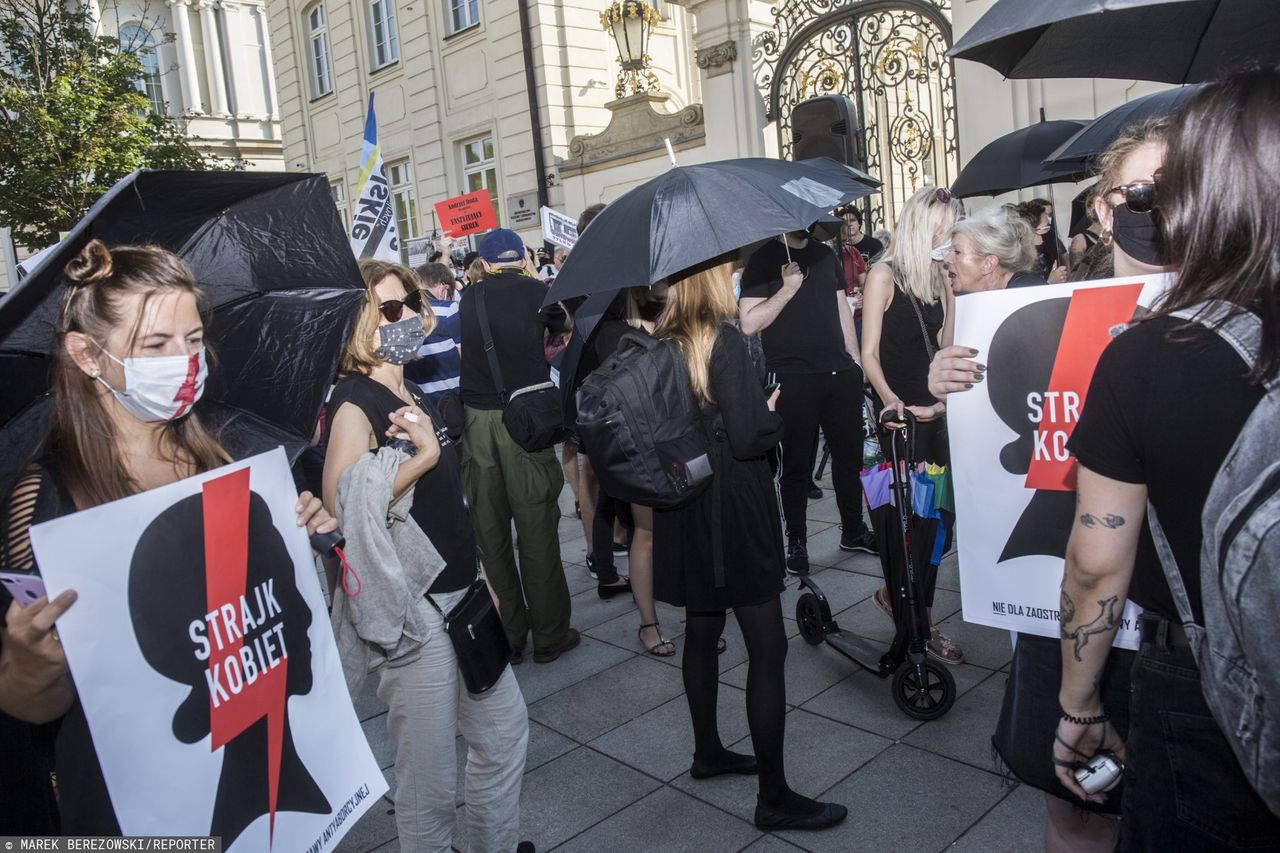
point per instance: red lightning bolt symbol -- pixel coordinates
(186, 395)
(226, 554)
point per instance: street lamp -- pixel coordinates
(630, 22)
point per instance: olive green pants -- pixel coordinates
(506, 483)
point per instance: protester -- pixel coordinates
(428, 548)
(740, 508)
(870, 247)
(990, 250)
(585, 487)
(437, 369)
(505, 482)
(907, 316)
(793, 296)
(1029, 712)
(129, 363)
(1086, 239)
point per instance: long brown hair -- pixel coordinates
(1217, 202)
(700, 299)
(82, 437)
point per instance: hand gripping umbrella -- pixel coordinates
(270, 252)
(1172, 41)
(691, 214)
(1083, 147)
(1013, 161)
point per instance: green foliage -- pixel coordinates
(72, 121)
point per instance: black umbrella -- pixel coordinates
(1013, 161)
(1173, 41)
(1091, 140)
(271, 253)
(693, 213)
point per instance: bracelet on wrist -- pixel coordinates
(1085, 721)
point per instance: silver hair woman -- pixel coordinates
(991, 250)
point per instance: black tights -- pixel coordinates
(766, 641)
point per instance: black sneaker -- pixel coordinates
(815, 492)
(797, 558)
(621, 548)
(864, 542)
(591, 568)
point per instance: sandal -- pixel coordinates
(662, 648)
(944, 649)
(882, 601)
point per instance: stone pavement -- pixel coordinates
(610, 741)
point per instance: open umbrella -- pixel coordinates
(1090, 141)
(1172, 41)
(690, 214)
(273, 257)
(1013, 161)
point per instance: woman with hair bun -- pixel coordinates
(129, 365)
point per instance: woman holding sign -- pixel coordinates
(130, 364)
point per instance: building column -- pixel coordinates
(213, 58)
(187, 79)
(264, 37)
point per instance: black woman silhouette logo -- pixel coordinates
(215, 606)
(1041, 362)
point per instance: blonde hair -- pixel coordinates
(359, 356)
(925, 218)
(1109, 163)
(700, 299)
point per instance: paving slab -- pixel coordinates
(905, 799)
(866, 619)
(380, 743)
(842, 589)
(660, 742)
(539, 680)
(965, 732)
(376, 827)
(983, 646)
(1014, 826)
(666, 821)
(771, 844)
(590, 610)
(608, 699)
(366, 702)
(809, 671)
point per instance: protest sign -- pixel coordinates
(467, 214)
(203, 658)
(558, 228)
(1014, 479)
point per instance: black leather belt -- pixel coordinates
(1161, 632)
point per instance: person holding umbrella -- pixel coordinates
(129, 365)
(740, 508)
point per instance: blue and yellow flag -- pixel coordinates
(373, 227)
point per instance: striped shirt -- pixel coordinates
(438, 365)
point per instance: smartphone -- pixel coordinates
(24, 588)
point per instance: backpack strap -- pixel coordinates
(483, 316)
(1173, 576)
(1241, 329)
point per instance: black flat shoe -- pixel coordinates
(610, 590)
(829, 815)
(733, 762)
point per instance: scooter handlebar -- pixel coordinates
(891, 418)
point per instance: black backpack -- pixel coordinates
(641, 427)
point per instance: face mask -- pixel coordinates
(399, 342)
(160, 389)
(940, 253)
(737, 286)
(1138, 234)
(650, 310)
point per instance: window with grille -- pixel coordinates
(139, 41)
(318, 31)
(480, 169)
(404, 199)
(382, 33)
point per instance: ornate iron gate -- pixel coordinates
(889, 56)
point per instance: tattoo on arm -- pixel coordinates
(1103, 622)
(1109, 521)
(1066, 607)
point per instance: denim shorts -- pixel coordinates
(1184, 789)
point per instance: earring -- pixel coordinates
(1106, 238)
(94, 373)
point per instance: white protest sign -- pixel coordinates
(1014, 479)
(203, 658)
(558, 228)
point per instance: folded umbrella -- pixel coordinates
(691, 214)
(1084, 146)
(1172, 41)
(271, 254)
(1013, 161)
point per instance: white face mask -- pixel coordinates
(940, 253)
(161, 388)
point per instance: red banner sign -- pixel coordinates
(467, 214)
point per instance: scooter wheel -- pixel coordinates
(925, 691)
(809, 617)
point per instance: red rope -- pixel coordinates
(345, 572)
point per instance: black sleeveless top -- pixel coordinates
(904, 359)
(438, 504)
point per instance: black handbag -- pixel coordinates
(533, 415)
(479, 640)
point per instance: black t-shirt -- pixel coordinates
(869, 247)
(806, 337)
(1024, 279)
(513, 305)
(1165, 413)
(438, 506)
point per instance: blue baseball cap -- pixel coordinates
(502, 246)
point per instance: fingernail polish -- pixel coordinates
(978, 378)
(973, 351)
(968, 385)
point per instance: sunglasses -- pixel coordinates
(393, 309)
(942, 196)
(1140, 196)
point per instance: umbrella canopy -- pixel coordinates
(1013, 161)
(693, 213)
(1083, 147)
(273, 257)
(1172, 41)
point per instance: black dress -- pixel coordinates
(750, 527)
(904, 360)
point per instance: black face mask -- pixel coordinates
(650, 310)
(1138, 234)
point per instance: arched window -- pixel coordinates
(318, 34)
(136, 39)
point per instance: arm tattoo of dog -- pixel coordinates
(1109, 521)
(1103, 622)
(1066, 607)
